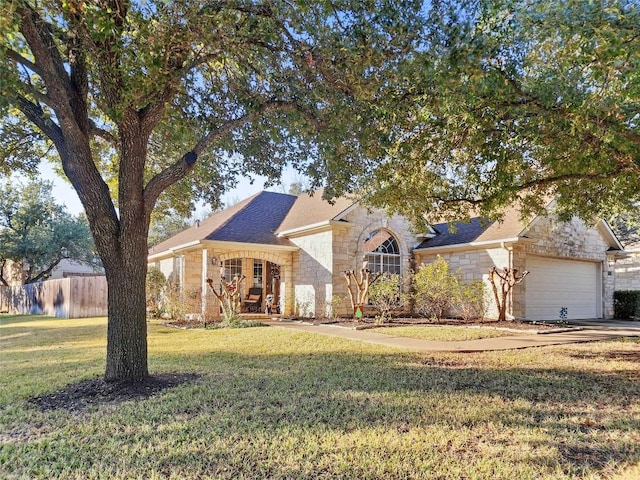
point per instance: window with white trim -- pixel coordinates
(381, 252)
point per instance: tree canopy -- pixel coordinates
(513, 102)
(37, 233)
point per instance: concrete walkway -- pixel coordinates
(594, 331)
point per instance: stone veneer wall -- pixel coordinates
(572, 240)
(628, 271)
(564, 240)
(313, 267)
(324, 255)
(348, 253)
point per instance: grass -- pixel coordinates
(275, 403)
(445, 334)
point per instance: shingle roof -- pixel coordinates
(478, 229)
(254, 220)
(309, 210)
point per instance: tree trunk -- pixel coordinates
(127, 327)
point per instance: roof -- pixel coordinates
(254, 220)
(478, 229)
(258, 219)
(313, 209)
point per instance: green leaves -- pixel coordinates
(512, 102)
(38, 233)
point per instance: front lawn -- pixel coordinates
(444, 334)
(275, 403)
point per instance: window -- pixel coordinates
(381, 252)
(232, 268)
(257, 274)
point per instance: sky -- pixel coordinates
(64, 193)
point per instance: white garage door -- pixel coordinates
(562, 289)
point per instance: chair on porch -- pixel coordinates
(253, 302)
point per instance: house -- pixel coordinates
(12, 271)
(570, 264)
(296, 248)
(627, 270)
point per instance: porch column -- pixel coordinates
(205, 287)
(286, 288)
(210, 305)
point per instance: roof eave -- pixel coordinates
(227, 245)
(609, 235)
(475, 245)
(173, 250)
(313, 228)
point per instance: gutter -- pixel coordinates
(314, 228)
(475, 245)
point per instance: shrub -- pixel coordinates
(434, 289)
(384, 294)
(156, 284)
(437, 291)
(174, 306)
(626, 304)
(470, 300)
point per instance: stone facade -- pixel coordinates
(627, 271)
(572, 240)
(545, 237)
(313, 267)
(325, 255)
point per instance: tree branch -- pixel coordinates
(35, 114)
(45, 273)
(16, 57)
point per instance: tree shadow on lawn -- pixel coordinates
(585, 415)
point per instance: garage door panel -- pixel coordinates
(561, 287)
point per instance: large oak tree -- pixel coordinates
(150, 101)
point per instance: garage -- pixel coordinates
(562, 289)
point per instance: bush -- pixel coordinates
(437, 291)
(173, 303)
(434, 289)
(156, 284)
(470, 300)
(384, 294)
(626, 304)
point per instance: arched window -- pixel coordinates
(381, 252)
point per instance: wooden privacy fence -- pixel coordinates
(73, 297)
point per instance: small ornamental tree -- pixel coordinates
(385, 295)
(502, 283)
(229, 297)
(362, 284)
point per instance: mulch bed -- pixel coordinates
(370, 323)
(96, 391)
